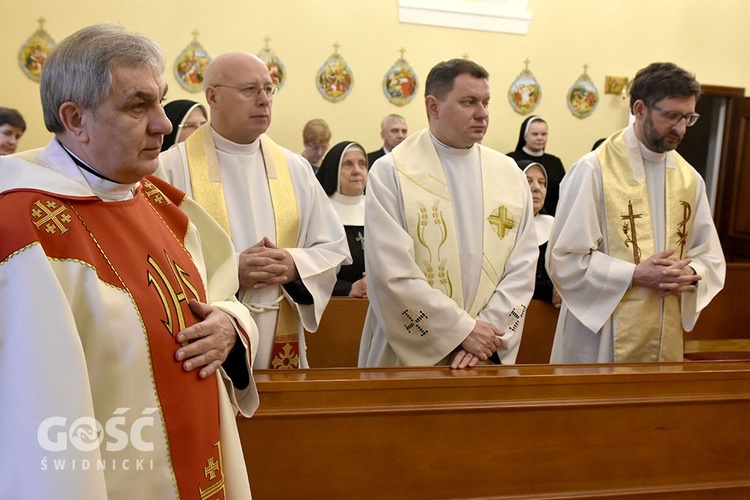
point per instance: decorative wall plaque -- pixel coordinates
(583, 96)
(275, 66)
(400, 82)
(34, 52)
(525, 93)
(190, 65)
(334, 78)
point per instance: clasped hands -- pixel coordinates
(264, 264)
(665, 273)
(479, 345)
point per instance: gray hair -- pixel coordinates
(80, 68)
(392, 117)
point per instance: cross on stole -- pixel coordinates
(501, 221)
(48, 215)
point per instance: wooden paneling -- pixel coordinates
(538, 333)
(722, 332)
(728, 314)
(637, 431)
(336, 343)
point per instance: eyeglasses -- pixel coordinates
(673, 117)
(190, 125)
(253, 91)
(318, 148)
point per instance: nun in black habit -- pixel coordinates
(532, 139)
(343, 175)
(185, 116)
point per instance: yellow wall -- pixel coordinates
(615, 37)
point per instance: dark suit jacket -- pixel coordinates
(371, 157)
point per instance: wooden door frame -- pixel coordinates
(729, 160)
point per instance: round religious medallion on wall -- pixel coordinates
(190, 66)
(274, 64)
(583, 96)
(34, 52)
(334, 79)
(400, 82)
(525, 93)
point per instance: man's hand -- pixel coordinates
(359, 288)
(462, 359)
(663, 272)
(556, 299)
(483, 340)
(264, 264)
(209, 341)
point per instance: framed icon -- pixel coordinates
(334, 78)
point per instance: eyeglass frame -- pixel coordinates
(189, 125)
(319, 148)
(690, 118)
(250, 88)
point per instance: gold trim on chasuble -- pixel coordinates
(430, 222)
(643, 330)
(205, 179)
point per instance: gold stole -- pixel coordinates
(430, 219)
(205, 180)
(643, 330)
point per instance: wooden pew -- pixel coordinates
(336, 343)
(671, 431)
(538, 333)
(722, 329)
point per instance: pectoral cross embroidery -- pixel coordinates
(52, 217)
(361, 238)
(501, 221)
(630, 235)
(154, 193)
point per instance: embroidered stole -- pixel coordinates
(645, 328)
(205, 180)
(430, 219)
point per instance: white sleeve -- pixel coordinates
(590, 282)
(321, 247)
(707, 257)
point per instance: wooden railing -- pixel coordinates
(673, 431)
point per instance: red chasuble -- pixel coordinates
(137, 246)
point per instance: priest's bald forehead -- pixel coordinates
(222, 69)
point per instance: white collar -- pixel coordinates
(226, 146)
(536, 154)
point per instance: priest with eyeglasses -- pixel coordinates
(633, 251)
(289, 241)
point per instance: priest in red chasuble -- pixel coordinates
(124, 353)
